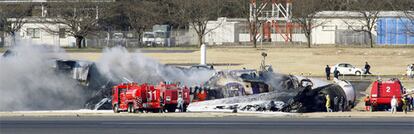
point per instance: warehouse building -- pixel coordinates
(330, 27)
(344, 27)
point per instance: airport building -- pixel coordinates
(331, 27)
(344, 27)
(277, 25)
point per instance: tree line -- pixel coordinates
(84, 19)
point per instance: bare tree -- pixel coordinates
(198, 13)
(253, 20)
(368, 12)
(170, 13)
(79, 18)
(142, 15)
(338, 5)
(410, 24)
(305, 13)
(12, 18)
(252, 14)
(407, 7)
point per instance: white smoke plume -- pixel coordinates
(117, 63)
(29, 82)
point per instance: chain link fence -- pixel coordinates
(101, 43)
(350, 37)
(130, 43)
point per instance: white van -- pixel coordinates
(148, 39)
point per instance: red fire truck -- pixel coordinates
(382, 93)
(170, 94)
(132, 97)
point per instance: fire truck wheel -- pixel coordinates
(157, 111)
(171, 109)
(130, 108)
(133, 110)
(185, 108)
(116, 108)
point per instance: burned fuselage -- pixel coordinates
(236, 83)
(277, 92)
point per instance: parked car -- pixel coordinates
(347, 69)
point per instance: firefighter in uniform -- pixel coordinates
(180, 103)
(367, 104)
(328, 104)
(404, 104)
(394, 104)
(201, 95)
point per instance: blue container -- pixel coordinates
(380, 31)
(395, 31)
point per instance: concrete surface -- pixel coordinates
(204, 125)
(109, 113)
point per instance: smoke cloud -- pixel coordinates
(117, 63)
(28, 81)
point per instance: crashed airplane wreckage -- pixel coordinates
(97, 87)
(233, 90)
(92, 80)
(249, 90)
(241, 90)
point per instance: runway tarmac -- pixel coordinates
(207, 125)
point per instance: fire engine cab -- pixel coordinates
(382, 93)
(131, 97)
(170, 94)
